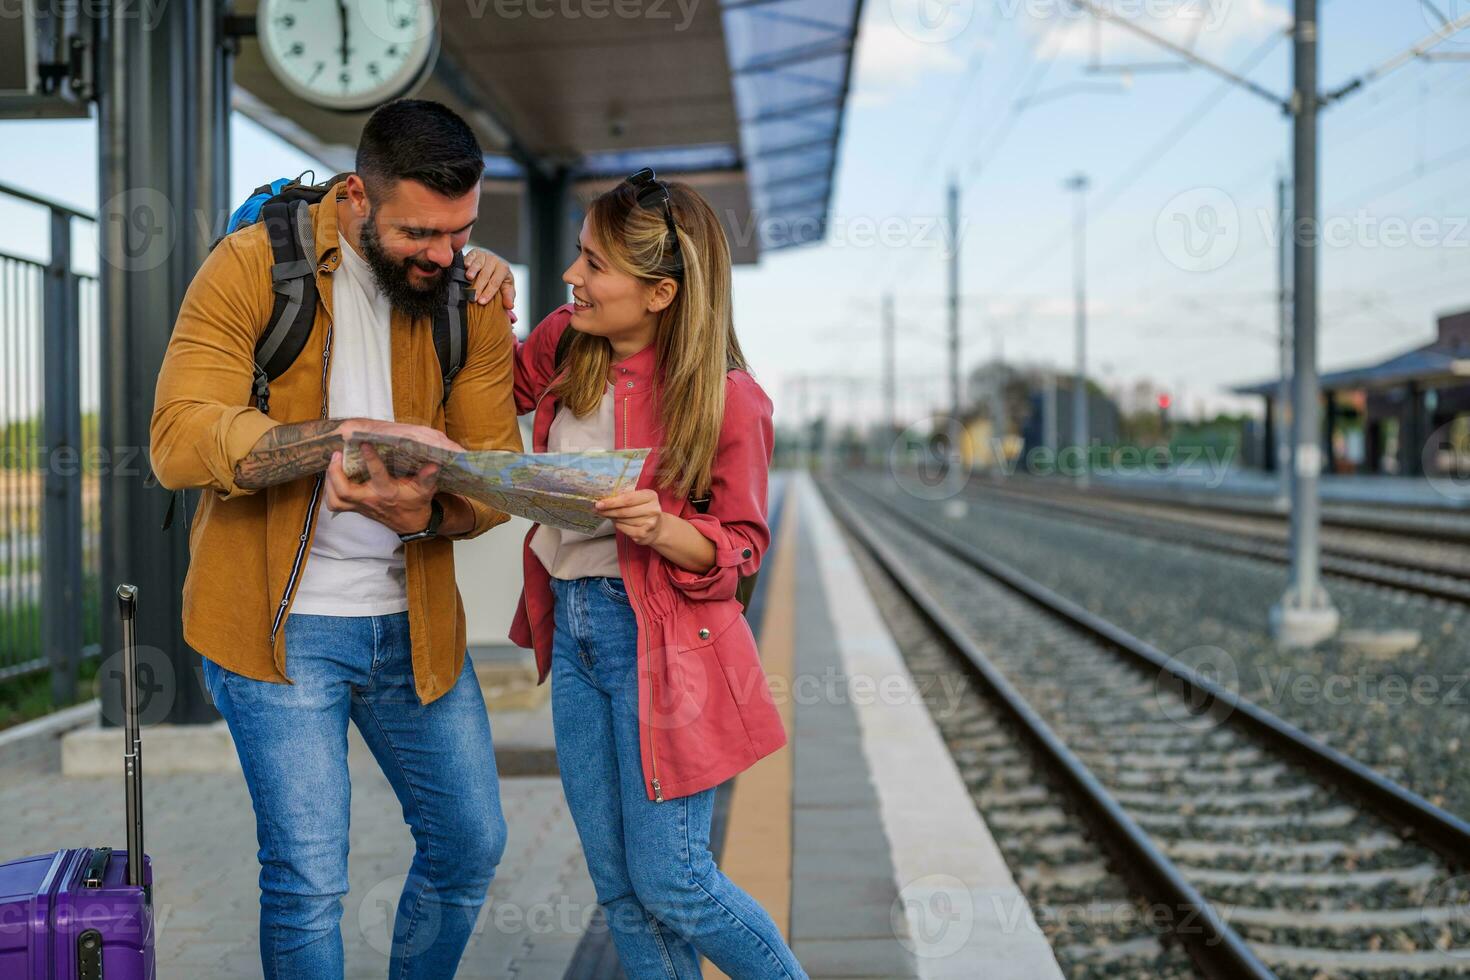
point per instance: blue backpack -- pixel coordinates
(281, 206)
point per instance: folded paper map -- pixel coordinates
(552, 488)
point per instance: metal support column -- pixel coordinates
(1269, 432)
(890, 409)
(1279, 447)
(1080, 426)
(61, 563)
(998, 422)
(1412, 431)
(549, 237)
(1049, 413)
(956, 393)
(1305, 615)
(1329, 429)
(163, 172)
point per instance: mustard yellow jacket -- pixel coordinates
(248, 548)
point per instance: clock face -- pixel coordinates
(348, 54)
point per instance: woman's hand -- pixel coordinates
(490, 274)
(636, 513)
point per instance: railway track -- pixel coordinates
(1396, 519)
(1262, 852)
(1383, 562)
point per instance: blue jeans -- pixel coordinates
(666, 902)
(292, 743)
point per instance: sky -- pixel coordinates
(1002, 98)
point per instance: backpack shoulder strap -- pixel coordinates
(293, 280)
(451, 325)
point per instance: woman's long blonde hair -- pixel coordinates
(694, 339)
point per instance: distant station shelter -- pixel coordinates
(1398, 417)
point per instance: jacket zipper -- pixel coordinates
(658, 793)
(294, 578)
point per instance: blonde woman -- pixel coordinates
(657, 692)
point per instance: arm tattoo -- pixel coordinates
(289, 451)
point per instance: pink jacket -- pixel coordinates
(705, 710)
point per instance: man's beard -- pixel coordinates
(391, 275)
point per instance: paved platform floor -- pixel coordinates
(201, 835)
(859, 837)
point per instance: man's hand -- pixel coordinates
(428, 435)
(490, 274)
(636, 513)
(296, 449)
(398, 503)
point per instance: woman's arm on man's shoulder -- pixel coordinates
(535, 357)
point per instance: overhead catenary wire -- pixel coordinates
(1028, 76)
(1417, 50)
(1147, 161)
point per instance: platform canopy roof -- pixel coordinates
(1447, 358)
(743, 99)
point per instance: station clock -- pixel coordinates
(348, 55)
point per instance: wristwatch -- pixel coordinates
(436, 517)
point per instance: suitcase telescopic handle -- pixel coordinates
(127, 605)
(127, 602)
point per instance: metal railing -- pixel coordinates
(50, 459)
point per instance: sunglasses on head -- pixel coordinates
(650, 192)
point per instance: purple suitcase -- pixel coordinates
(86, 913)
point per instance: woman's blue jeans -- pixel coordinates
(292, 743)
(666, 902)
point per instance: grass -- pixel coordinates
(25, 698)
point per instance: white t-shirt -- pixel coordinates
(356, 564)
(571, 554)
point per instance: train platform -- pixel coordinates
(859, 837)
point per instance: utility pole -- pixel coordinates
(1282, 413)
(998, 400)
(805, 427)
(954, 300)
(1305, 615)
(1050, 411)
(1078, 185)
(890, 410)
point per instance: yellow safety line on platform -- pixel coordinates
(757, 853)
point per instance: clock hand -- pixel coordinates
(342, 17)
